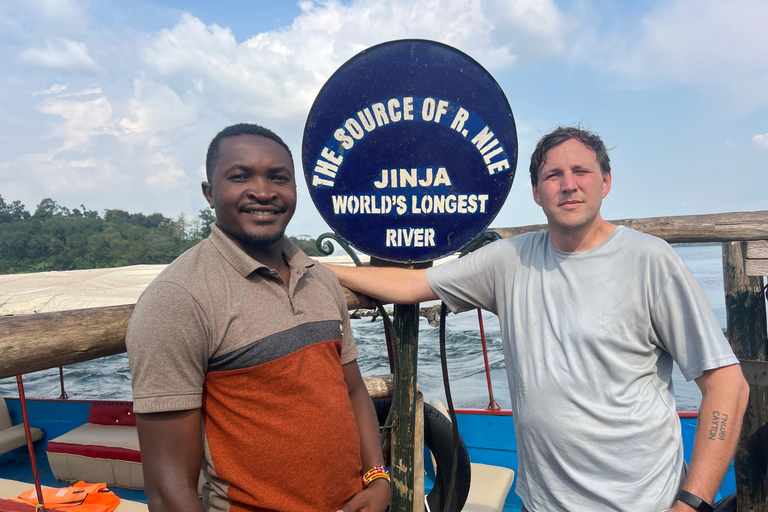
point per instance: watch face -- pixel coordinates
(410, 150)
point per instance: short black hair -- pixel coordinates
(562, 134)
(233, 131)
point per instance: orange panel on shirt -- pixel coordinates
(297, 445)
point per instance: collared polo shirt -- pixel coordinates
(220, 331)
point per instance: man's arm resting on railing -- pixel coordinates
(395, 285)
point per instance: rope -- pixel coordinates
(451, 411)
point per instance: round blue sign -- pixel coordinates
(410, 150)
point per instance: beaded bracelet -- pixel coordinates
(374, 473)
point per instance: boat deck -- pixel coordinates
(16, 477)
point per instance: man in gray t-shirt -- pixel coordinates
(592, 316)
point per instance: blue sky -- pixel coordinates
(112, 104)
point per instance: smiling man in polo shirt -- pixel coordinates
(243, 360)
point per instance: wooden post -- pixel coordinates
(418, 456)
(745, 308)
(407, 330)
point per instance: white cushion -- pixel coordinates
(5, 418)
(14, 437)
(489, 488)
(76, 466)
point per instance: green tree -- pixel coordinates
(207, 218)
(116, 216)
(12, 211)
(307, 244)
(48, 208)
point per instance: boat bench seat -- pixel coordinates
(12, 436)
(106, 449)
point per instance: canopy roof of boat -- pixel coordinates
(45, 292)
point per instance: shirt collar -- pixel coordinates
(246, 265)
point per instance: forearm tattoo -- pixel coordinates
(718, 426)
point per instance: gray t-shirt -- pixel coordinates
(589, 342)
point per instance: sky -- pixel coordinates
(113, 104)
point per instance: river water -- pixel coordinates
(110, 377)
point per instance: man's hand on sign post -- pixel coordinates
(373, 498)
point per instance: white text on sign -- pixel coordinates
(407, 109)
(435, 204)
(410, 237)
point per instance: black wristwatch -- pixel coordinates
(695, 501)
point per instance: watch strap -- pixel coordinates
(694, 501)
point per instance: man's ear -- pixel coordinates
(606, 183)
(208, 192)
(536, 197)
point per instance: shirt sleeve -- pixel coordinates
(467, 283)
(687, 327)
(349, 351)
(167, 342)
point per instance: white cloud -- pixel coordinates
(82, 120)
(761, 140)
(167, 174)
(712, 45)
(58, 90)
(54, 89)
(274, 76)
(68, 14)
(85, 92)
(62, 54)
(53, 176)
(532, 29)
(156, 107)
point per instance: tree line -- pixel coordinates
(57, 238)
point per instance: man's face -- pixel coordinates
(253, 190)
(571, 187)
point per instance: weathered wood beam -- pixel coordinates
(29, 343)
(357, 300)
(717, 227)
(379, 386)
(757, 250)
(757, 258)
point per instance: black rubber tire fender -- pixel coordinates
(438, 436)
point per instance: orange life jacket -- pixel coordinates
(80, 497)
